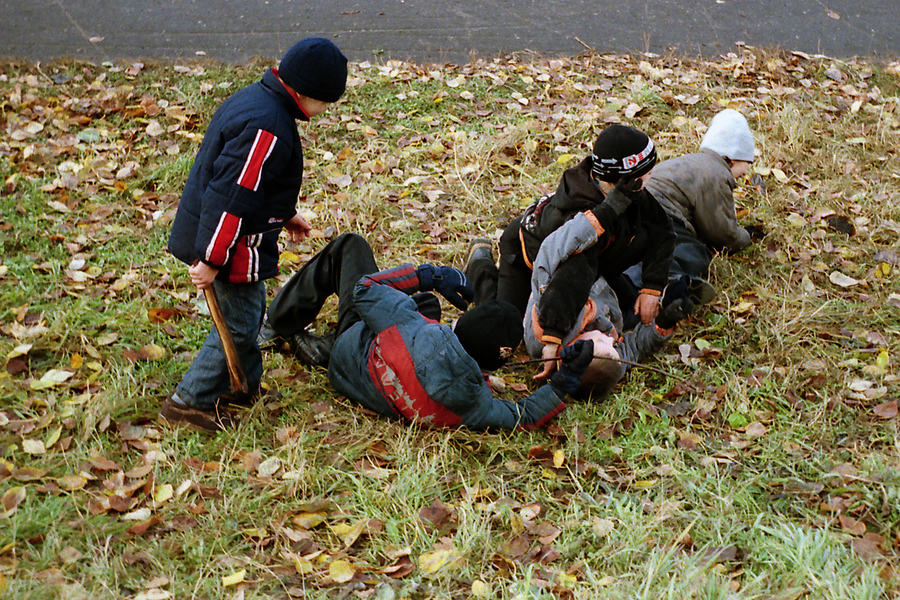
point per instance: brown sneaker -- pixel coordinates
(174, 414)
(479, 249)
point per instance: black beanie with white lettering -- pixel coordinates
(622, 151)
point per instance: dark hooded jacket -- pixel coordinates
(643, 233)
(243, 185)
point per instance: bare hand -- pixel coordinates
(202, 275)
(647, 307)
(298, 228)
(551, 354)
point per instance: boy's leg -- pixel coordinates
(514, 284)
(481, 271)
(207, 378)
(334, 270)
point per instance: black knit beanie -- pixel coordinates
(622, 151)
(315, 68)
(487, 328)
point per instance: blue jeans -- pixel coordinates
(243, 306)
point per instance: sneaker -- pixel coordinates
(175, 414)
(675, 289)
(479, 249)
(311, 349)
(701, 291)
(267, 337)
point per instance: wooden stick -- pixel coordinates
(235, 371)
(619, 360)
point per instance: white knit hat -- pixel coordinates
(729, 135)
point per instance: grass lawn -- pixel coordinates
(763, 462)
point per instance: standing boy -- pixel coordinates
(241, 191)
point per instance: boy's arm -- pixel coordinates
(382, 299)
(562, 277)
(641, 343)
(236, 192)
(715, 220)
(660, 245)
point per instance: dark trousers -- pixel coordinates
(511, 281)
(691, 257)
(336, 269)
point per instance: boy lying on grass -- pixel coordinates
(563, 309)
(392, 359)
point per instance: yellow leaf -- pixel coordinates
(480, 589)
(564, 158)
(567, 581)
(882, 360)
(163, 493)
(303, 566)
(153, 352)
(269, 467)
(71, 482)
(234, 578)
(288, 256)
(779, 175)
(341, 571)
(18, 351)
(309, 520)
(106, 339)
(559, 458)
(51, 378)
(53, 437)
(76, 360)
(644, 483)
(33, 447)
(432, 562)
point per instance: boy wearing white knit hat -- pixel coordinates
(696, 190)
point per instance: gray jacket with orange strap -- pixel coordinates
(600, 308)
(402, 365)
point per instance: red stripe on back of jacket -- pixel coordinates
(393, 370)
(259, 152)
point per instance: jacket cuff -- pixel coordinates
(651, 292)
(595, 223)
(551, 339)
(559, 408)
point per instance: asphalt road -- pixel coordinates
(427, 31)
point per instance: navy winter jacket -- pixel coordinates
(243, 185)
(400, 364)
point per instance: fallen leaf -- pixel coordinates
(341, 571)
(234, 578)
(432, 562)
(886, 410)
(12, 498)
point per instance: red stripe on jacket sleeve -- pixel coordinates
(260, 151)
(224, 237)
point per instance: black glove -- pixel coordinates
(450, 283)
(617, 201)
(677, 310)
(575, 361)
(755, 232)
